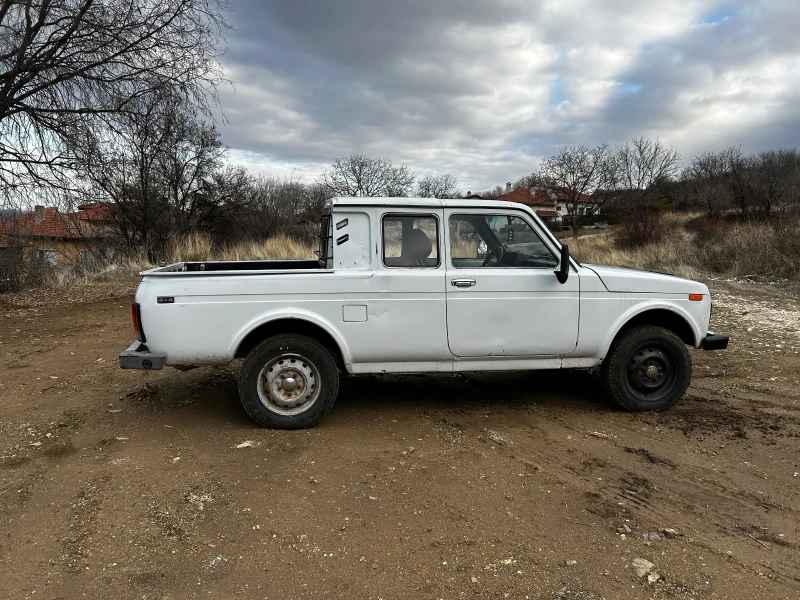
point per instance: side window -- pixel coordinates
(410, 241)
(496, 241)
(48, 257)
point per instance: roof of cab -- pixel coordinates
(424, 202)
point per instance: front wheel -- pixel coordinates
(647, 368)
(288, 381)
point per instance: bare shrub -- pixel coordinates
(754, 248)
(708, 228)
(696, 246)
(641, 228)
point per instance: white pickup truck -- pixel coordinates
(420, 285)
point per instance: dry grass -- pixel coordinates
(199, 247)
(690, 247)
(739, 250)
(196, 247)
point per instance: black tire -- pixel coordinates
(267, 395)
(647, 368)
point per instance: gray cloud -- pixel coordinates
(484, 89)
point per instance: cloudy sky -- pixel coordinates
(483, 89)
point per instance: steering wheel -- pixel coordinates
(495, 253)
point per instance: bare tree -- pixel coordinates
(705, 177)
(575, 173)
(157, 165)
(640, 167)
(528, 181)
(493, 193)
(438, 186)
(359, 175)
(67, 65)
(266, 206)
(738, 177)
(774, 175)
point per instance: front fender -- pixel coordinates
(643, 307)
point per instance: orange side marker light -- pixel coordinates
(695, 297)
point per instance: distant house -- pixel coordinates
(471, 196)
(53, 237)
(550, 202)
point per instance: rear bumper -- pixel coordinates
(138, 356)
(714, 341)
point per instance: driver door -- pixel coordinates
(503, 298)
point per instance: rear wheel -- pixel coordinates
(288, 381)
(647, 368)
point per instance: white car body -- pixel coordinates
(388, 319)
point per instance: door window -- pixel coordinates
(410, 241)
(486, 240)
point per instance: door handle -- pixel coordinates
(463, 282)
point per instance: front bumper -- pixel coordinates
(138, 356)
(714, 341)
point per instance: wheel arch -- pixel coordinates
(299, 325)
(667, 317)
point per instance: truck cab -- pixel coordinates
(422, 285)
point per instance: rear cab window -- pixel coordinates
(410, 241)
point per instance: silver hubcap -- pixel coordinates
(289, 384)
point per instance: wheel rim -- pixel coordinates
(289, 384)
(651, 371)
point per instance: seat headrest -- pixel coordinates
(417, 245)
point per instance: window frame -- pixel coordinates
(485, 214)
(413, 215)
(47, 257)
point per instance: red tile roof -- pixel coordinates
(53, 225)
(561, 193)
(95, 211)
(6, 241)
(524, 196)
(543, 212)
(541, 197)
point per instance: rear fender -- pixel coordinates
(300, 315)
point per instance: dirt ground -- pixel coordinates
(129, 484)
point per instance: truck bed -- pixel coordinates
(237, 266)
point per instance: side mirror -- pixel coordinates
(563, 271)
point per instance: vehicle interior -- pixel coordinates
(496, 241)
(410, 241)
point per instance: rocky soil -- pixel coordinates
(526, 485)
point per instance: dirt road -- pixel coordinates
(531, 485)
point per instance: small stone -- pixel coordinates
(474, 579)
(626, 528)
(374, 565)
(653, 536)
(642, 566)
(572, 562)
(653, 577)
(669, 532)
